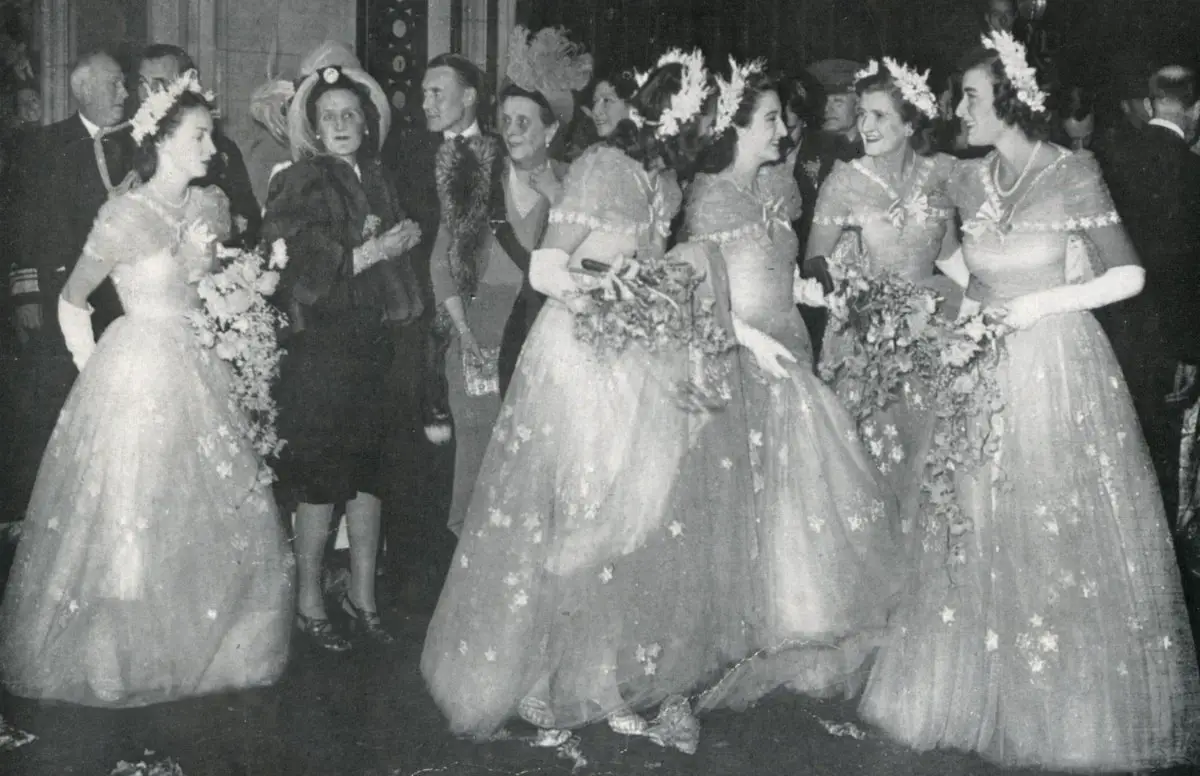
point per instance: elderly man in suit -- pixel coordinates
(57, 190)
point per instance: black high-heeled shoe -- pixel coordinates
(321, 633)
(366, 623)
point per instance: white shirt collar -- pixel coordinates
(470, 131)
(1167, 125)
(92, 129)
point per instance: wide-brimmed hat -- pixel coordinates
(302, 136)
(269, 102)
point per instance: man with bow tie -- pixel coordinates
(59, 184)
(422, 455)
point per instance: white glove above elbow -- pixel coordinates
(76, 326)
(368, 255)
(548, 274)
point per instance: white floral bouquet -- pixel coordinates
(893, 332)
(241, 327)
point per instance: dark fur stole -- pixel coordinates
(464, 172)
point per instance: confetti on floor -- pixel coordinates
(12, 737)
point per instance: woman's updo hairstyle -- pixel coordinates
(145, 156)
(883, 82)
(679, 151)
(1008, 105)
(325, 84)
(544, 109)
(723, 150)
(621, 80)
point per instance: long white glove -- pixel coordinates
(767, 350)
(807, 291)
(76, 325)
(548, 274)
(368, 255)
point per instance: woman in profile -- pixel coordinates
(577, 593)
(1059, 637)
(153, 564)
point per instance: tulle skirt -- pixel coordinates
(828, 571)
(602, 564)
(899, 436)
(1063, 640)
(153, 565)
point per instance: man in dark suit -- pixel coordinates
(1155, 182)
(57, 190)
(837, 140)
(162, 63)
(422, 453)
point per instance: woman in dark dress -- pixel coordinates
(345, 281)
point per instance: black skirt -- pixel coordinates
(333, 411)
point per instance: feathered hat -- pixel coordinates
(269, 102)
(548, 63)
(302, 137)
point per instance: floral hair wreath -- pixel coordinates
(687, 102)
(1017, 68)
(730, 92)
(158, 103)
(913, 85)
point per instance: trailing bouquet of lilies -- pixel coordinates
(240, 326)
(893, 332)
(653, 303)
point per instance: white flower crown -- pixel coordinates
(687, 102)
(158, 103)
(913, 85)
(730, 92)
(1017, 68)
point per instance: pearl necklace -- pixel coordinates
(1020, 178)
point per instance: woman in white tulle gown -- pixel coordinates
(887, 214)
(589, 583)
(1057, 636)
(153, 565)
(825, 570)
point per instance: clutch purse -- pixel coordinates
(482, 376)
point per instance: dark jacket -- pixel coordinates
(57, 191)
(322, 211)
(1155, 183)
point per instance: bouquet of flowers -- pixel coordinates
(241, 327)
(892, 331)
(652, 303)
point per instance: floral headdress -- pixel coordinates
(687, 102)
(729, 93)
(1017, 68)
(913, 85)
(158, 103)
(548, 63)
